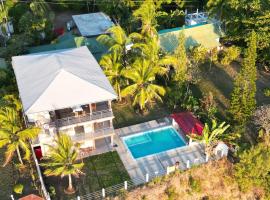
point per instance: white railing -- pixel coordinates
(82, 118)
(97, 133)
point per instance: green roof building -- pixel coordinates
(205, 34)
(68, 41)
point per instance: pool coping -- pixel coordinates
(137, 168)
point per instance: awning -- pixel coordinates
(188, 123)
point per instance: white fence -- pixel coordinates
(43, 188)
(131, 184)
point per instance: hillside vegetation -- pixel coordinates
(214, 180)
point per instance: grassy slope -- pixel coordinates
(125, 115)
(214, 181)
(220, 82)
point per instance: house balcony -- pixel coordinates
(97, 134)
(84, 113)
(103, 132)
(81, 118)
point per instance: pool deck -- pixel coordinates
(157, 163)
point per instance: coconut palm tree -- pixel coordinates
(116, 40)
(142, 75)
(147, 14)
(211, 135)
(62, 160)
(113, 69)
(13, 136)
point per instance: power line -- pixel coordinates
(90, 2)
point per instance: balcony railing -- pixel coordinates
(92, 135)
(82, 118)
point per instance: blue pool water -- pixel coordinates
(154, 141)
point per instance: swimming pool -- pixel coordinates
(154, 141)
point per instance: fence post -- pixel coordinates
(147, 178)
(78, 198)
(103, 192)
(125, 185)
(190, 141)
(188, 164)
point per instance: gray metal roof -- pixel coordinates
(92, 24)
(60, 79)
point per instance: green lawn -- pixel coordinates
(6, 178)
(125, 115)
(101, 171)
(9, 176)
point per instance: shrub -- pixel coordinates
(194, 184)
(122, 194)
(171, 193)
(230, 54)
(144, 197)
(267, 92)
(18, 188)
(52, 191)
(155, 181)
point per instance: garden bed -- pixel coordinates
(101, 171)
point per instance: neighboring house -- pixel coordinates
(92, 24)
(205, 34)
(65, 91)
(70, 41)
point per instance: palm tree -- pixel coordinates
(147, 14)
(113, 69)
(116, 40)
(61, 160)
(13, 136)
(142, 74)
(210, 136)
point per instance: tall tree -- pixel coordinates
(241, 17)
(13, 136)
(142, 88)
(62, 160)
(178, 60)
(116, 40)
(253, 170)
(261, 118)
(147, 14)
(198, 55)
(243, 101)
(114, 70)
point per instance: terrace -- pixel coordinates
(80, 114)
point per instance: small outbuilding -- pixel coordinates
(188, 123)
(221, 150)
(92, 24)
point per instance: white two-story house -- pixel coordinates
(65, 91)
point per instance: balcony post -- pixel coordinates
(90, 108)
(110, 105)
(112, 140)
